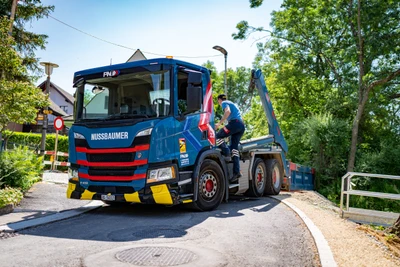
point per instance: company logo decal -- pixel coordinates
(182, 145)
(109, 136)
(113, 73)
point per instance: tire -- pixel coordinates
(274, 177)
(259, 181)
(211, 186)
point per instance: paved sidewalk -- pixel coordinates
(46, 201)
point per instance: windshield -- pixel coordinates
(137, 94)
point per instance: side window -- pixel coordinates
(182, 97)
(183, 76)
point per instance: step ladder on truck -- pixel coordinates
(143, 132)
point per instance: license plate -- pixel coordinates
(108, 197)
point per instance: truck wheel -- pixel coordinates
(211, 186)
(274, 177)
(258, 183)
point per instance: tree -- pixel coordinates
(19, 99)
(238, 81)
(351, 46)
(26, 42)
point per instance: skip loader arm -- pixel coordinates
(257, 80)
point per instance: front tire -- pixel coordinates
(258, 183)
(274, 177)
(211, 186)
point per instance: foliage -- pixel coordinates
(19, 99)
(320, 142)
(26, 42)
(20, 168)
(255, 120)
(330, 48)
(384, 161)
(10, 195)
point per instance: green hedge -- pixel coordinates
(33, 140)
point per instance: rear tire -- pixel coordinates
(211, 186)
(274, 177)
(259, 181)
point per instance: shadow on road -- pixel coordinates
(146, 222)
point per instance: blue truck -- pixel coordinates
(143, 132)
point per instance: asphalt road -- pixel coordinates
(243, 232)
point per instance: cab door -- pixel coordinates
(193, 114)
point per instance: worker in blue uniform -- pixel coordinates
(235, 129)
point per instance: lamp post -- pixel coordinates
(48, 66)
(223, 51)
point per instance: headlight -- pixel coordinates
(72, 173)
(145, 132)
(161, 174)
(78, 136)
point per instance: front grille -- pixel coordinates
(120, 157)
(141, 140)
(111, 189)
(111, 172)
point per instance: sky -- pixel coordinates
(186, 30)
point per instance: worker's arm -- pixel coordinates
(227, 112)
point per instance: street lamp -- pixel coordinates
(223, 51)
(48, 67)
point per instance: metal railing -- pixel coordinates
(348, 191)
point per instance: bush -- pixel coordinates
(20, 168)
(384, 161)
(10, 196)
(322, 142)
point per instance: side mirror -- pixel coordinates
(194, 94)
(97, 90)
(195, 78)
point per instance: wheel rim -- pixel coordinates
(209, 185)
(260, 174)
(276, 176)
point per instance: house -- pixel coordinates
(138, 55)
(60, 97)
(61, 104)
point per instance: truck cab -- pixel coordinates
(144, 133)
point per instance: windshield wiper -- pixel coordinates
(126, 116)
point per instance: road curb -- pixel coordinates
(21, 225)
(324, 251)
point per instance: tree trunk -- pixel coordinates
(354, 131)
(362, 91)
(395, 228)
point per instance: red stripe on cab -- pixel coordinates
(112, 164)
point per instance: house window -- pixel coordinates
(65, 108)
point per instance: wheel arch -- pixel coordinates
(207, 154)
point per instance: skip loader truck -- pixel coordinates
(143, 132)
